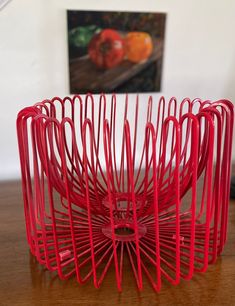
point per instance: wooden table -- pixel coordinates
(85, 77)
(24, 282)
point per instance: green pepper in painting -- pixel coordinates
(81, 36)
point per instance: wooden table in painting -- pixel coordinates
(24, 282)
(84, 75)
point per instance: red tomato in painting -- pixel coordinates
(106, 49)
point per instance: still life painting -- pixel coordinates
(118, 52)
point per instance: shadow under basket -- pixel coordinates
(110, 179)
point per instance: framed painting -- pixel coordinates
(118, 52)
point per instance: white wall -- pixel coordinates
(199, 55)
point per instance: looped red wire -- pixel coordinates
(150, 183)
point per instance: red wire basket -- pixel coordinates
(106, 179)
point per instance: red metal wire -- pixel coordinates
(87, 203)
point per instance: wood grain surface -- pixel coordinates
(24, 282)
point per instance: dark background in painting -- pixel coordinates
(149, 78)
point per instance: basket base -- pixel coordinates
(124, 231)
(122, 202)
